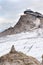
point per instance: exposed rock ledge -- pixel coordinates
(18, 58)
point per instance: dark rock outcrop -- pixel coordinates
(28, 11)
(37, 14)
(17, 58)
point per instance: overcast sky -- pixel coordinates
(10, 10)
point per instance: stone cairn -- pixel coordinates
(12, 49)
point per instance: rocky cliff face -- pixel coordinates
(29, 21)
(17, 58)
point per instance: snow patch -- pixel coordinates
(30, 43)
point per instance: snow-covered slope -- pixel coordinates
(30, 43)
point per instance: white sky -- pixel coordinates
(10, 10)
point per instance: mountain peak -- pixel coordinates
(29, 22)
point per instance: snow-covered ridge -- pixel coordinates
(30, 43)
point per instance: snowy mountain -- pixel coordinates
(26, 36)
(28, 21)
